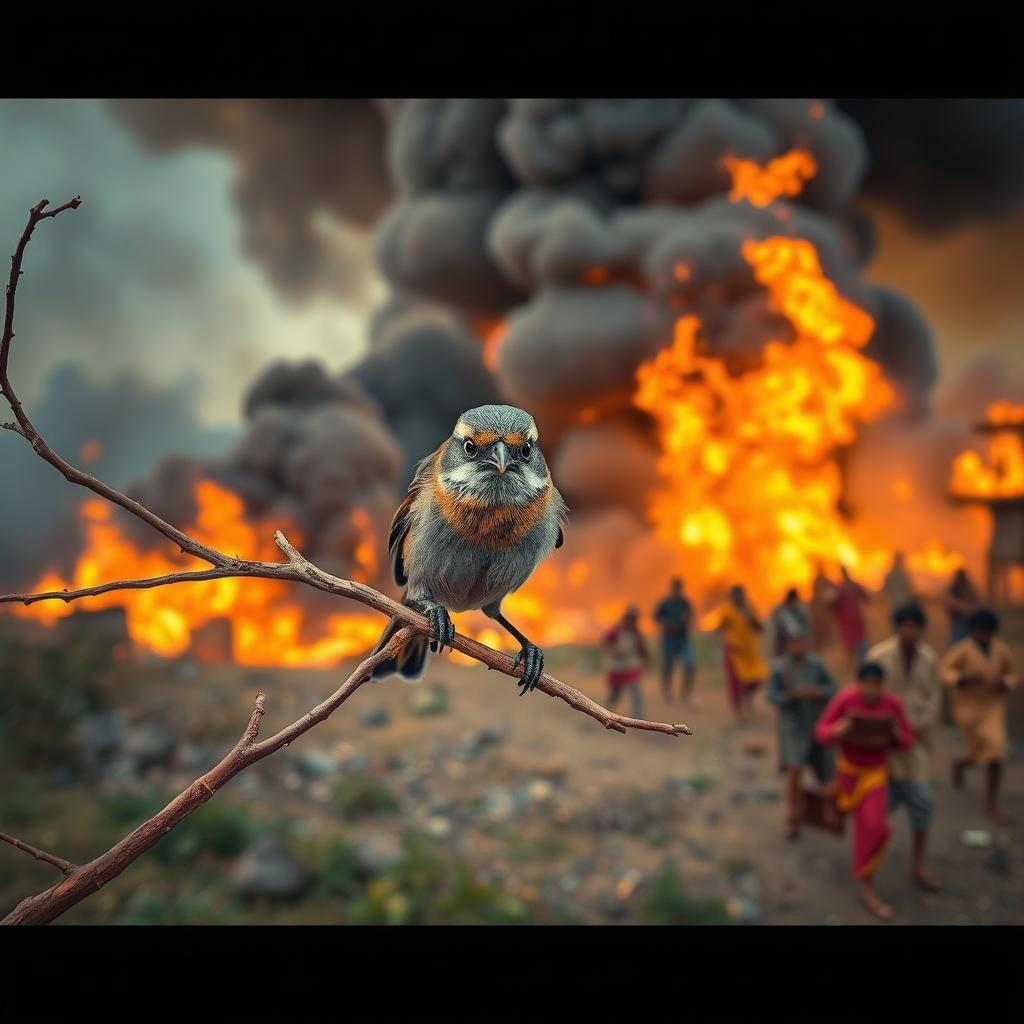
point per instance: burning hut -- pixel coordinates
(998, 484)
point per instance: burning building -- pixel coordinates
(998, 485)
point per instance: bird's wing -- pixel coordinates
(563, 522)
(402, 521)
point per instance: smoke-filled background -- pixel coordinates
(755, 334)
(301, 296)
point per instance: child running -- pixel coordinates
(862, 779)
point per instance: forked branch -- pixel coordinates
(81, 881)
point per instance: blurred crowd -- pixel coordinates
(868, 745)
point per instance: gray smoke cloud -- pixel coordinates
(943, 162)
(129, 421)
(315, 450)
(589, 226)
(306, 170)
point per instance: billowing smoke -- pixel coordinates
(311, 179)
(315, 457)
(116, 430)
(588, 226)
(944, 162)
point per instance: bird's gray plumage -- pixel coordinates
(481, 513)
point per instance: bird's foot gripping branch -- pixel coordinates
(80, 881)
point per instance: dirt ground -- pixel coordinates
(560, 818)
(611, 809)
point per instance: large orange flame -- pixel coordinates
(751, 487)
(266, 622)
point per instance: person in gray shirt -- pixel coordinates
(800, 686)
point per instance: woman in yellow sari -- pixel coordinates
(745, 669)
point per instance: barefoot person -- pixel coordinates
(800, 685)
(627, 657)
(745, 669)
(980, 670)
(912, 674)
(862, 779)
(674, 615)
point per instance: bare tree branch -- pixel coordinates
(64, 865)
(90, 878)
(82, 881)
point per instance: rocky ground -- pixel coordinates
(455, 800)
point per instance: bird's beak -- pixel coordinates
(500, 457)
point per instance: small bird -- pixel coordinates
(480, 515)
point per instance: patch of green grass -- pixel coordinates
(668, 902)
(217, 829)
(426, 888)
(362, 796)
(155, 907)
(339, 871)
(45, 690)
(735, 865)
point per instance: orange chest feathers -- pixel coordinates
(497, 527)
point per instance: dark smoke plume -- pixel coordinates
(588, 226)
(943, 162)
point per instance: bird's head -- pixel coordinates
(494, 456)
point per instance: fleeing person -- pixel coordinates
(626, 658)
(980, 671)
(823, 593)
(674, 616)
(745, 669)
(800, 686)
(862, 776)
(789, 616)
(962, 600)
(848, 608)
(897, 586)
(912, 674)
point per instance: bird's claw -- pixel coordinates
(532, 659)
(442, 632)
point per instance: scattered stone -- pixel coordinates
(316, 763)
(743, 910)
(627, 884)
(375, 717)
(430, 701)
(292, 781)
(268, 870)
(150, 743)
(539, 790)
(613, 908)
(713, 817)
(499, 803)
(738, 799)
(999, 862)
(479, 740)
(769, 794)
(554, 771)
(748, 885)
(980, 838)
(97, 737)
(320, 792)
(195, 758)
(376, 852)
(754, 746)
(438, 826)
(690, 786)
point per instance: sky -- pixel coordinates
(148, 275)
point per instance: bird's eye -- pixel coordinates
(525, 450)
(469, 447)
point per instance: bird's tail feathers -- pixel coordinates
(409, 662)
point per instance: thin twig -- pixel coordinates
(58, 862)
